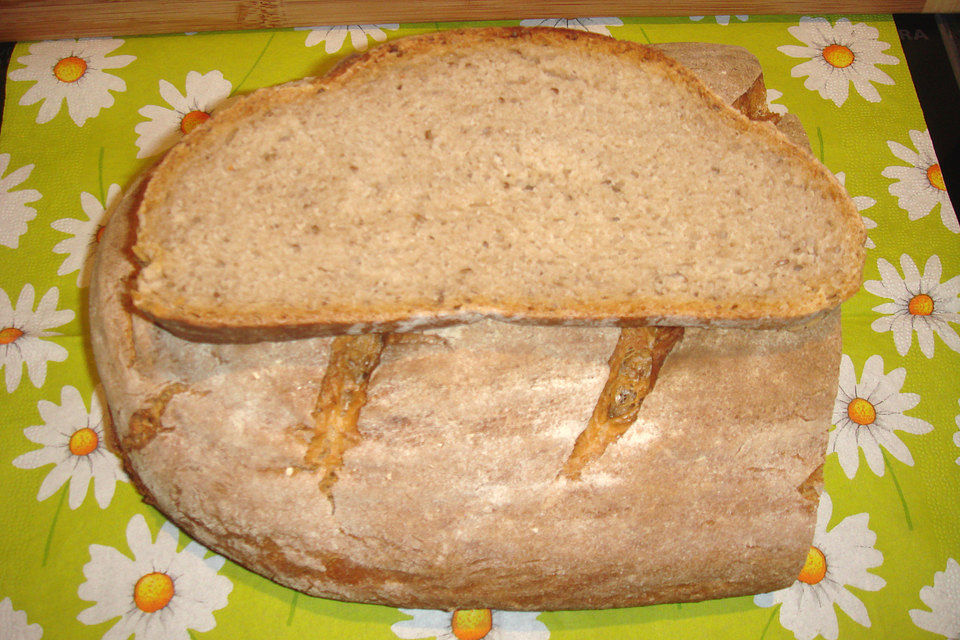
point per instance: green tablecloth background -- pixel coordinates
(57, 168)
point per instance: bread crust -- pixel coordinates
(231, 323)
(453, 496)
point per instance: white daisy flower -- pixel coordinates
(943, 599)
(920, 303)
(86, 233)
(839, 54)
(721, 20)
(861, 203)
(838, 559)
(13, 624)
(772, 96)
(14, 212)
(920, 186)
(160, 593)
(868, 412)
(73, 441)
(21, 330)
(71, 70)
(593, 25)
(165, 126)
(333, 37)
(471, 624)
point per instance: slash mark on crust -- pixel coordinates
(343, 392)
(634, 366)
(146, 423)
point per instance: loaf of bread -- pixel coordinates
(490, 464)
(533, 175)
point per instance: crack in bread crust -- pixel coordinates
(145, 423)
(343, 392)
(753, 103)
(634, 367)
(811, 488)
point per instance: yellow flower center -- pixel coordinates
(70, 69)
(920, 305)
(861, 411)
(192, 119)
(814, 568)
(83, 441)
(935, 176)
(153, 592)
(838, 55)
(10, 334)
(471, 624)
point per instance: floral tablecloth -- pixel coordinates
(82, 557)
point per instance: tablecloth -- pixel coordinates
(81, 556)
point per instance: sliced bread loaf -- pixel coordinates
(532, 175)
(466, 474)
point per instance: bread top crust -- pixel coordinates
(827, 270)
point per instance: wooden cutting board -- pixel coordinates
(41, 19)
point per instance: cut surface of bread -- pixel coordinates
(538, 176)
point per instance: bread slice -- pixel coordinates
(532, 175)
